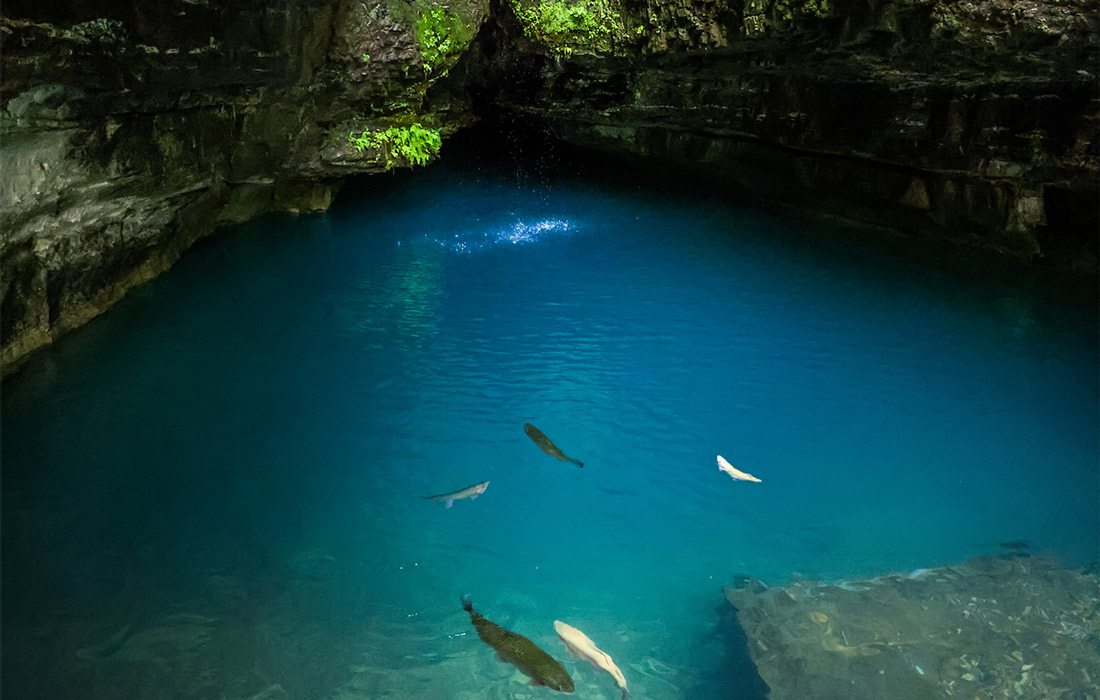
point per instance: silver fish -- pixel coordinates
(470, 492)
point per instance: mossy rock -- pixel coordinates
(443, 31)
(789, 9)
(412, 144)
(567, 27)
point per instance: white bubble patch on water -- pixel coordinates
(479, 239)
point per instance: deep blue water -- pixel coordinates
(214, 489)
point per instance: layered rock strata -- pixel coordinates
(127, 137)
(975, 121)
(129, 132)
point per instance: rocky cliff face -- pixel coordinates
(129, 132)
(972, 120)
(127, 136)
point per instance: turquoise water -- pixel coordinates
(214, 490)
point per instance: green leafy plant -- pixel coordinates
(441, 35)
(566, 26)
(397, 145)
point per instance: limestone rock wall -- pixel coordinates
(129, 131)
(973, 120)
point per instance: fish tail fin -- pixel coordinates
(467, 603)
(578, 463)
(626, 694)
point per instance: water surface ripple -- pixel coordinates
(214, 490)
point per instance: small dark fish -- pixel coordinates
(470, 492)
(546, 446)
(520, 651)
(1014, 545)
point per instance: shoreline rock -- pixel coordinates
(130, 134)
(992, 627)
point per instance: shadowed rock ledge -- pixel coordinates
(993, 627)
(975, 121)
(129, 131)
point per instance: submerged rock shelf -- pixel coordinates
(993, 627)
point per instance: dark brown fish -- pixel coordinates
(546, 446)
(520, 651)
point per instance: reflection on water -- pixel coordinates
(215, 490)
(402, 305)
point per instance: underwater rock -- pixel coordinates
(179, 650)
(1017, 627)
(272, 692)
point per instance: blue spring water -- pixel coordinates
(214, 490)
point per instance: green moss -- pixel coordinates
(568, 26)
(442, 36)
(100, 30)
(399, 145)
(169, 144)
(442, 31)
(789, 9)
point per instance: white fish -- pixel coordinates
(733, 471)
(470, 492)
(583, 648)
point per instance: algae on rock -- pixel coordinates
(443, 31)
(567, 27)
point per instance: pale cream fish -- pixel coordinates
(734, 472)
(580, 646)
